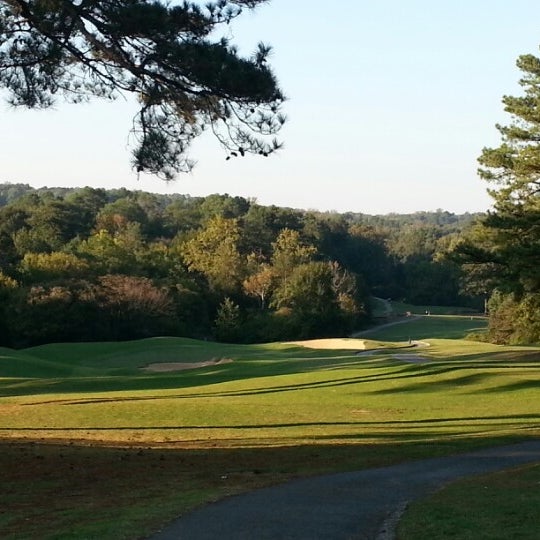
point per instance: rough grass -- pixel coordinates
(121, 450)
(493, 507)
(54, 491)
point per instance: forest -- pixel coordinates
(92, 264)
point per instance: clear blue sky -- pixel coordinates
(390, 104)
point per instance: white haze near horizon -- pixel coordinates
(390, 104)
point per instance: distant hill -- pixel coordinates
(9, 193)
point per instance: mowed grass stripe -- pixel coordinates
(274, 412)
(343, 398)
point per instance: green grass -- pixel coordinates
(493, 507)
(430, 327)
(401, 308)
(84, 424)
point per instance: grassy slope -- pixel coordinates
(276, 411)
(493, 507)
(401, 308)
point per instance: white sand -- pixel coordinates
(331, 343)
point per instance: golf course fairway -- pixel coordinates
(111, 440)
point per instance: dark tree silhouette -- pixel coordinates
(169, 55)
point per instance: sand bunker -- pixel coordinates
(331, 343)
(180, 366)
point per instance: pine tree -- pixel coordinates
(166, 54)
(505, 245)
(513, 228)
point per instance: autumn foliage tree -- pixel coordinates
(169, 56)
(260, 283)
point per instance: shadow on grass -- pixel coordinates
(495, 357)
(380, 366)
(516, 386)
(399, 373)
(444, 384)
(398, 431)
(128, 492)
(394, 372)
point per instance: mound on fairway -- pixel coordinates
(179, 366)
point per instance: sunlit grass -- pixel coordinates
(287, 396)
(430, 327)
(402, 307)
(274, 412)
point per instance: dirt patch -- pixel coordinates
(331, 343)
(180, 366)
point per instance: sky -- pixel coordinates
(389, 106)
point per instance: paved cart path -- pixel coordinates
(358, 505)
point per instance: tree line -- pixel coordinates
(93, 264)
(90, 264)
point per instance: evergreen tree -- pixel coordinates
(513, 228)
(168, 55)
(506, 243)
(227, 325)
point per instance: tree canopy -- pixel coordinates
(508, 237)
(504, 247)
(138, 264)
(169, 55)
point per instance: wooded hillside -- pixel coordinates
(93, 264)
